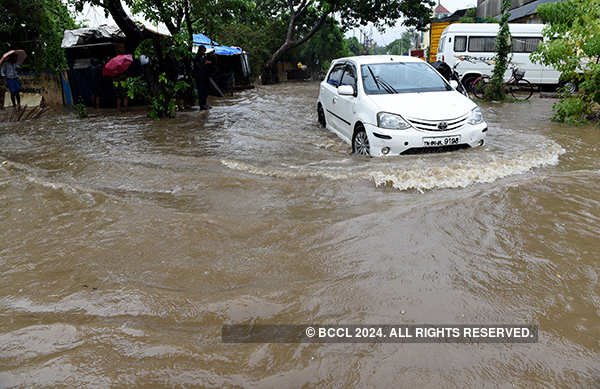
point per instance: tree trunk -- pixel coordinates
(128, 26)
(290, 43)
(189, 96)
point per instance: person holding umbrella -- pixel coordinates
(116, 68)
(10, 62)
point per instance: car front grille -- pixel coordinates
(434, 125)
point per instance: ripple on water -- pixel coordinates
(450, 170)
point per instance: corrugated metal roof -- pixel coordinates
(528, 9)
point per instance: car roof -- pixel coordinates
(373, 59)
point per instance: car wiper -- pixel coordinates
(374, 78)
(387, 86)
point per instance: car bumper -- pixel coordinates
(399, 141)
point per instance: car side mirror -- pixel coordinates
(345, 90)
(454, 84)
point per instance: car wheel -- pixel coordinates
(569, 87)
(321, 116)
(360, 143)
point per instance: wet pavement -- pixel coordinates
(128, 243)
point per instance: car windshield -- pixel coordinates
(401, 77)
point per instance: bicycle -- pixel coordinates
(517, 86)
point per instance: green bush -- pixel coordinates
(572, 46)
(81, 109)
(571, 110)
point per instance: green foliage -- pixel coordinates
(402, 46)
(354, 45)
(81, 109)
(321, 48)
(572, 46)
(259, 38)
(572, 110)
(135, 87)
(495, 88)
(164, 103)
(470, 16)
(304, 18)
(37, 27)
(380, 50)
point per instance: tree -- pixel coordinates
(258, 38)
(471, 17)
(495, 88)
(37, 27)
(572, 46)
(354, 45)
(306, 17)
(324, 46)
(404, 44)
(398, 46)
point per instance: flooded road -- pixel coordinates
(127, 243)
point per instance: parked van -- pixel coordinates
(473, 45)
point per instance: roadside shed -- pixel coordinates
(87, 49)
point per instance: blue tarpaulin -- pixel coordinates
(203, 40)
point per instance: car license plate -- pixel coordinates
(437, 141)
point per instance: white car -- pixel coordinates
(389, 105)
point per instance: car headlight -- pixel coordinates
(391, 121)
(476, 116)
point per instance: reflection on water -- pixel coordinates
(129, 242)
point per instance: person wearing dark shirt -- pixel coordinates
(201, 75)
(95, 81)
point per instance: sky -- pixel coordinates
(93, 16)
(393, 33)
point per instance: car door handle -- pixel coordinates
(334, 100)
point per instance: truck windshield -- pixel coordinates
(401, 77)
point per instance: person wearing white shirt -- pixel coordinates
(9, 72)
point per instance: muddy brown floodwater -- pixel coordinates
(127, 243)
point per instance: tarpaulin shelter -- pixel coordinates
(203, 40)
(231, 63)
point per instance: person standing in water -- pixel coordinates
(9, 72)
(201, 74)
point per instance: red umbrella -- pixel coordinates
(117, 65)
(21, 55)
